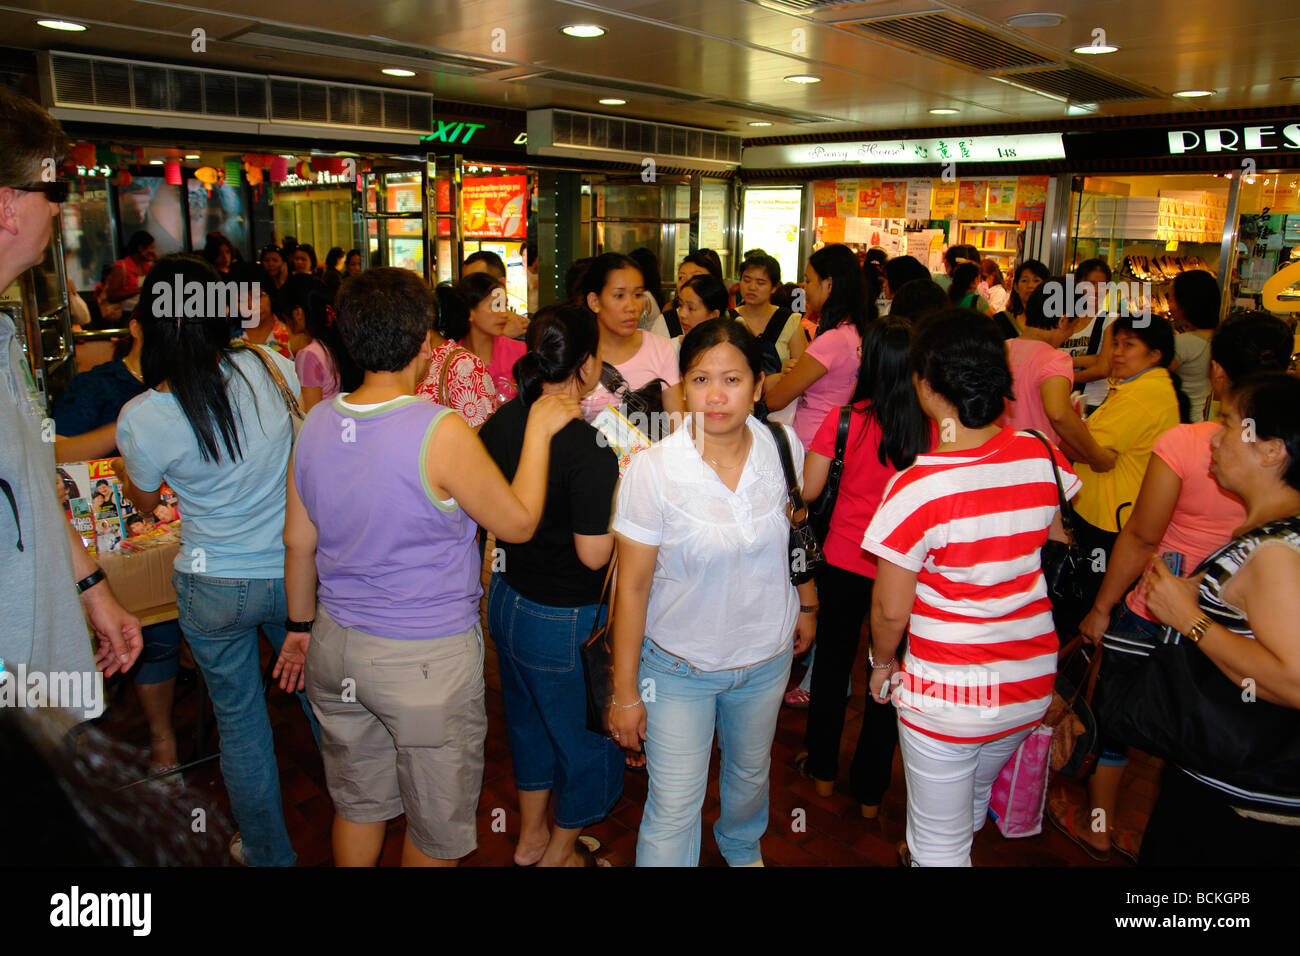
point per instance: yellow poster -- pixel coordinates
(893, 199)
(943, 199)
(846, 198)
(971, 197)
(869, 198)
(1002, 199)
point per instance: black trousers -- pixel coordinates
(845, 600)
(1193, 824)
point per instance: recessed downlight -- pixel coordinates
(612, 101)
(397, 71)
(1035, 20)
(759, 123)
(1095, 49)
(66, 25)
(1192, 94)
(803, 78)
(583, 31)
(943, 111)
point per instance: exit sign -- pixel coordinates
(452, 131)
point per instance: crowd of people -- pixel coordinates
(293, 441)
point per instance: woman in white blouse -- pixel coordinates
(704, 609)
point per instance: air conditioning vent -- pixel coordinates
(812, 6)
(1079, 86)
(81, 81)
(566, 133)
(388, 52)
(943, 37)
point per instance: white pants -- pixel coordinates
(948, 788)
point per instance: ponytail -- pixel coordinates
(560, 341)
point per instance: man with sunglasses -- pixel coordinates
(43, 567)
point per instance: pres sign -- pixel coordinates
(1249, 139)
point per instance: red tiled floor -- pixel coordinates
(835, 834)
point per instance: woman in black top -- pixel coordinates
(1241, 613)
(544, 600)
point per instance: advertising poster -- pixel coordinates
(972, 194)
(824, 198)
(494, 206)
(943, 199)
(1031, 198)
(918, 198)
(1002, 199)
(770, 221)
(869, 198)
(831, 230)
(846, 198)
(893, 198)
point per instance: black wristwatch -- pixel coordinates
(300, 626)
(90, 580)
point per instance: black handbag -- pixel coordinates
(1065, 569)
(648, 400)
(597, 654)
(804, 553)
(819, 511)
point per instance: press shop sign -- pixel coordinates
(1232, 139)
(1029, 147)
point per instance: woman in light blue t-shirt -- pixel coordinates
(214, 425)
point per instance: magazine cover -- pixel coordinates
(104, 518)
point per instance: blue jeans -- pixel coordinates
(220, 618)
(161, 658)
(546, 706)
(687, 704)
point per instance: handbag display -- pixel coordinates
(1020, 791)
(296, 417)
(804, 553)
(597, 654)
(1065, 569)
(819, 512)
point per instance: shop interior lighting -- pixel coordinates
(397, 71)
(1095, 49)
(66, 25)
(155, 162)
(191, 155)
(612, 101)
(1192, 94)
(760, 123)
(943, 111)
(803, 78)
(583, 31)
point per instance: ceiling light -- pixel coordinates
(1035, 20)
(397, 71)
(612, 101)
(584, 31)
(803, 78)
(191, 155)
(66, 25)
(155, 162)
(1095, 49)
(943, 111)
(1290, 78)
(1192, 94)
(760, 123)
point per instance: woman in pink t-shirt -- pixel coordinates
(824, 377)
(1042, 376)
(324, 367)
(611, 289)
(473, 314)
(1180, 509)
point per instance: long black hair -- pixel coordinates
(885, 383)
(848, 300)
(560, 340)
(1014, 305)
(191, 353)
(309, 294)
(964, 278)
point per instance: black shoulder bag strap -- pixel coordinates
(787, 466)
(1098, 333)
(776, 325)
(1067, 512)
(673, 322)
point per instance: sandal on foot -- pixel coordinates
(1066, 826)
(590, 842)
(1127, 843)
(588, 855)
(797, 698)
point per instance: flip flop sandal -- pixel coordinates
(588, 855)
(1125, 843)
(1066, 826)
(590, 842)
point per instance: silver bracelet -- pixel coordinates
(614, 703)
(878, 667)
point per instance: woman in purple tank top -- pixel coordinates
(384, 624)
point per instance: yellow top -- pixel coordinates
(1133, 416)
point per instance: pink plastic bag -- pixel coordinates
(1020, 791)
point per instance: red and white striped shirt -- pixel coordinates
(981, 655)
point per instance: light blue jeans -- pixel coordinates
(220, 618)
(688, 704)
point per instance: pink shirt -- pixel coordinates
(505, 353)
(840, 352)
(1032, 363)
(1204, 514)
(656, 358)
(315, 367)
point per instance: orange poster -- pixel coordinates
(832, 230)
(494, 206)
(869, 198)
(824, 197)
(893, 199)
(943, 199)
(1031, 198)
(972, 194)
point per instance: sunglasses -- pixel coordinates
(56, 191)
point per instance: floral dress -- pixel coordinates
(470, 391)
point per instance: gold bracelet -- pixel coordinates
(1197, 630)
